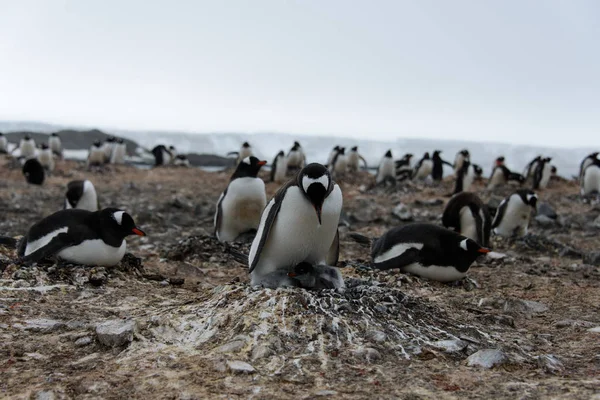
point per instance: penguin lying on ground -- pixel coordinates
(386, 171)
(80, 237)
(426, 250)
(181, 161)
(300, 223)
(279, 168)
(33, 171)
(466, 214)
(514, 214)
(81, 195)
(501, 175)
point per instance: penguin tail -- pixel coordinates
(238, 256)
(360, 239)
(9, 242)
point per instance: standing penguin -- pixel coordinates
(386, 171)
(108, 147)
(466, 214)
(162, 156)
(590, 180)
(80, 236)
(55, 145)
(501, 175)
(81, 195)
(339, 165)
(279, 168)
(96, 155)
(426, 250)
(424, 167)
(240, 205)
(296, 158)
(542, 173)
(3, 144)
(461, 157)
(119, 152)
(514, 214)
(332, 154)
(300, 223)
(404, 162)
(585, 162)
(33, 171)
(531, 167)
(46, 157)
(466, 175)
(354, 159)
(27, 147)
(437, 172)
(245, 151)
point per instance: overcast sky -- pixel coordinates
(512, 71)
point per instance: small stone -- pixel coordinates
(487, 358)
(325, 393)
(43, 325)
(450, 346)
(260, 351)
(544, 209)
(403, 212)
(595, 329)
(592, 258)
(45, 395)
(544, 220)
(495, 255)
(231, 347)
(22, 274)
(240, 367)
(115, 333)
(524, 306)
(377, 336)
(83, 341)
(550, 363)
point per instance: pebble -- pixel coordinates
(550, 363)
(115, 333)
(403, 212)
(232, 346)
(526, 306)
(45, 395)
(487, 358)
(43, 325)
(240, 367)
(83, 341)
(450, 346)
(595, 329)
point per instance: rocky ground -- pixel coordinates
(177, 319)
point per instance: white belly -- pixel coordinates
(497, 179)
(353, 161)
(591, 180)
(434, 272)
(118, 155)
(27, 148)
(387, 170)
(458, 162)
(3, 144)
(468, 225)
(546, 173)
(425, 170)
(341, 165)
(94, 252)
(280, 170)
(295, 159)
(241, 207)
(46, 159)
(296, 235)
(245, 152)
(468, 179)
(515, 219)
(96, 156)
(54, 144)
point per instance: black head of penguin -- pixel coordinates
(500, 161)
(436, 155)
(27, 137)
(467, 251)
(388, 154)
(248, 168)
(281, 153)
(54, 134)
(97, 143)
(44, 146)
(171, 148)
(110, 139)
(117, 223)
(408, 156)
(296, 144)
(120, 140)
(426, 156)
(314, 181)
(342, 151)
(529, 197)
(33, 171)
(246, 145)
(465, 153)
(355, 148)
(478, 170)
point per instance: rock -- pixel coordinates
(115, 333)
(524, 306)
(22, 274)
(45, 395)
(450, 346)
(260, 351)
(595, 329)
(403, 212)
(325, 393)
(592, 258)
(377, 336)
(596, 222)
(429, 203)
(546, 210)
(544, 220)
(487, 358)
(550, 363)
(240, 367)
(495, 255)
(176, 281)
(83, 341)
(43, 325)
(231, 347)
(98, 277)
(369, 354)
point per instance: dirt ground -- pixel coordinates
(199, 331)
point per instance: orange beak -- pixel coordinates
(261, 163)
(138, 232)
(292, 274)
(484, 250)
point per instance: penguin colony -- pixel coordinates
(296, 237)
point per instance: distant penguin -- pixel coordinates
(245, 151)
(354, 159)
(316, 277)
(119, 152)
(590, 180)
(162, 156)
(514, 214)
(96, 155)
(426, 250)
(80, 237)
(587, 161)
(542, 173)
(27, 147)
(279, 168)
(3, 144)
(531, 167)
(46, 157)
(173, 153)
(437, 172)
(424, 167)
(108, 147)
(81, 195)
(403, 168)
(501, 175)
(339, 165)
(461, 157)
(300, 223)
(181, 160)
(466, 175)
(332, 154)
(55, 145)
(466, 214)
(386, 171)
(296, 157)
(33, 171)
(404, 162)
(240, 206)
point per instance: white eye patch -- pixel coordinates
(323, 180)
(531, 196)
(118, 216)
(463, 244)
(246, 160)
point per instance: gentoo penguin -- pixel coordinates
(300, 223)
(466, 175)
(3, 144)
(296, 157)
(404, 162)
(590, 180)
(27, 147)
(33, 171)
(332, 154)
(119, 152)
(514, 213)
(426, 250)
(80, 237)
(181, 160)
(386, 171)
(245, 151)
(466, 214)
(531, 167)
(437, 172)
(354, 159)
(461, 157)
(240, 206)
(339, 165)
(279, 168)
(96, 155)
(316, 277)
(162, 156)
(501, 175)
(542, 173)
(424, 167)
(55, 145)
(173, 152)
(108, 147)
(584, 163)
(46, 157)
(81, 195)
(403, 169)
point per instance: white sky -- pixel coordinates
(518, 71)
